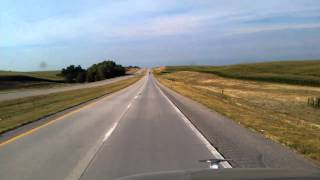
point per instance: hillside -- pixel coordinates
(43, 75)
(291, 72)
(279, 111)
(12, 79)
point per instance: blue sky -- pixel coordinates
(154, 33)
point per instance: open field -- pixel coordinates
(291, 72)
(45, 75)
(14, 113)
(35, 79)
(132, 70)
(12, 80)
(278, 111)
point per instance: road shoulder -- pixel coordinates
(246, 148)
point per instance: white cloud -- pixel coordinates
(125, 20)
(257, 29)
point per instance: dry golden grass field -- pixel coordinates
(278, 111)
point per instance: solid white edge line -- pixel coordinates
(212, 150)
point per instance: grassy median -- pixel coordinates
(278, 111)
(14, 113)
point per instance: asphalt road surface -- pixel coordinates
(135, 130)
(21, 93)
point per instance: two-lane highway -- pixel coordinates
(135, 130)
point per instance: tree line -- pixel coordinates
(96, 72)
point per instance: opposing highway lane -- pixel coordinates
(135, 130)
(22, 93)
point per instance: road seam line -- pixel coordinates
(83, 164)
(203, 139)
(81, 167)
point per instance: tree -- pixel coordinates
(91, 73)
(119, 70)
(81, 77)
(104, 70)
(71, 72)
(96, 72)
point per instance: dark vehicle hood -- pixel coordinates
(228, 174)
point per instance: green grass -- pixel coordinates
(15, 113)
(291, 72)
